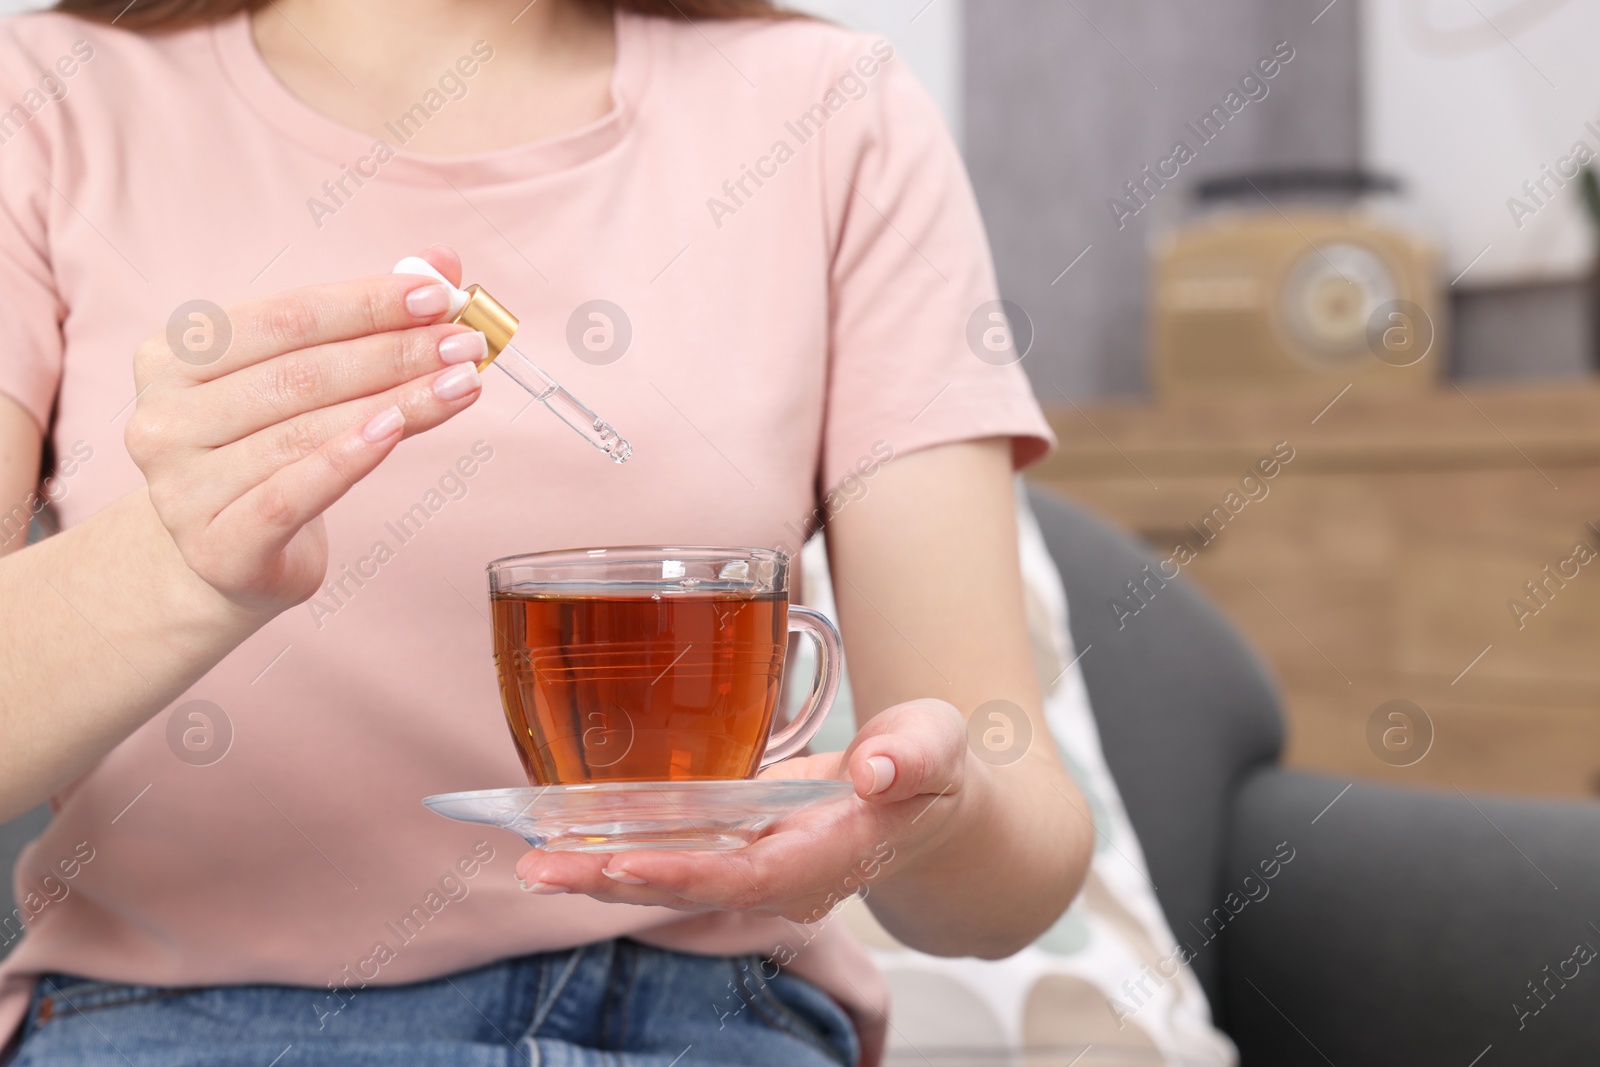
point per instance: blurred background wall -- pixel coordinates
(927, 35)
(1060, 102)
(1066, 101)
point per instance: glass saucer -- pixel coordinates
(621, 816)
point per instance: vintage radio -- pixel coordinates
(1294, 281)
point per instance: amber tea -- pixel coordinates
(651, 664)
(640, 688)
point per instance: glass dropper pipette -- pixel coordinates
(566, 407)
(476, 308)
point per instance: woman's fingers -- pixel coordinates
(909, 750)
(445, 261)
(784, 872)
(283, 387)
(271, 513)
(242, 543)
(583, 873)
(806, 861)
(233, 470)
(304, 318)
(705, 881)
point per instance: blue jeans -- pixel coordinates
(610, 1004)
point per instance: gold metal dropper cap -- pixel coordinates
(488, 316)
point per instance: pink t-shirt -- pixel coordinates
(784, 220)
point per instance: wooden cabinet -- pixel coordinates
(1384, 561)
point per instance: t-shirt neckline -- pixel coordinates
(250, 76)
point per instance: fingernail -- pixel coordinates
(622, 876)
(384, 425)
(428, 301)
(469, 347)
(545, 888)
(456, 382)
(882, 773)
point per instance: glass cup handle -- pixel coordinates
(824, 687)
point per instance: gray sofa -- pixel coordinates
(1413, 927)
(1410, 928)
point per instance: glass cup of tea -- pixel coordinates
(652, 664)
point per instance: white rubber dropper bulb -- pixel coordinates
(418, 265)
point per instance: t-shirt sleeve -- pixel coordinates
(30, 314)
(921, 352)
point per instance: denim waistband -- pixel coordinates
(606, 1004)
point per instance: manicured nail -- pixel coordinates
(882, 773)
(428, 301)
(546, 888)
(469, 347)
(456, 382)
(622, 876)
(384, 425)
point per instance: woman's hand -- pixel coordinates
(912, 774)
(245, 447)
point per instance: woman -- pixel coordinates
(260, 637)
